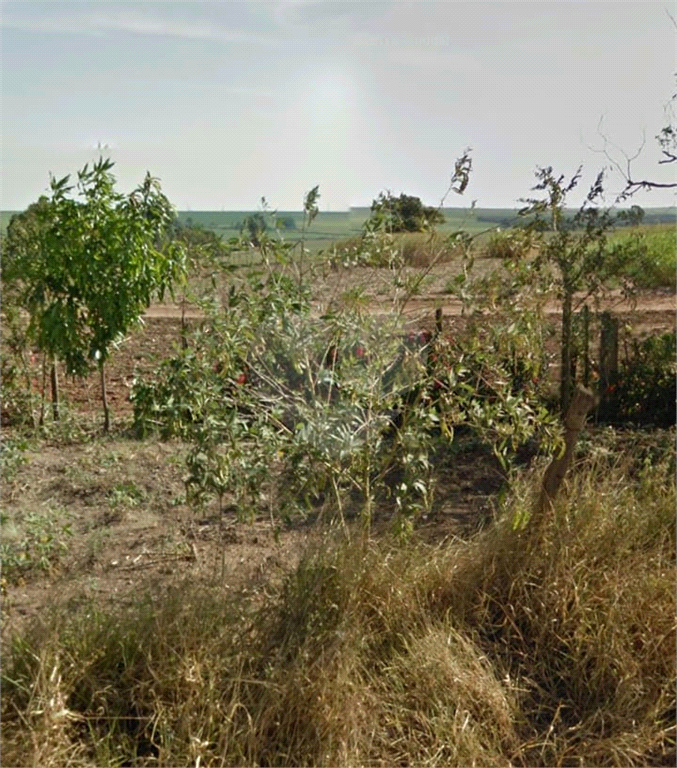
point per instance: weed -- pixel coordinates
(35, 541)
(126, 494)
(12, 456)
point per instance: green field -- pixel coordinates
(337, 225)
(330, 226)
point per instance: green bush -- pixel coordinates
(506, 246)
(405, 213)
(181, 392)
(644, 390)
(18, 399)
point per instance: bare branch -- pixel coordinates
(631, 185)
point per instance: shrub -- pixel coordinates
(506, 246)
(18, 399)
(405, 213)
(181, 392)
(334, 407)
(644, 390)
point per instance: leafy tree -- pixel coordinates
(405, 213)
(89, 261)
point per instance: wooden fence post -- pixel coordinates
(585, 312)
(608, 353)
(438, 321)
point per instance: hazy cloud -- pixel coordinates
(228, 101)
(92, 18)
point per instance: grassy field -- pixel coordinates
(330, 227)
(341, 224)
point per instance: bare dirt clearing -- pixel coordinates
(120, 526)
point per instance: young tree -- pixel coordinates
(575, 253)
(90, 263)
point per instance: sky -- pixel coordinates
(226, 102)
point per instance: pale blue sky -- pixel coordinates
(229, 101)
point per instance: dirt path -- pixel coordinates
(648, 302)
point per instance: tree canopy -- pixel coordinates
(405, 213)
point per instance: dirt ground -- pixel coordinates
(108, 518)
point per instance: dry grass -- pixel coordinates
(414, 249)
(500, 650)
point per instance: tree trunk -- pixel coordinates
(184, 330)
(104, 398)
(43, 390)
(54, 377)
(438, 321)
(582, 403)
(566, 382)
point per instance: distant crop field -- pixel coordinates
(342, 224)
(330, 226)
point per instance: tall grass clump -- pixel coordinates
(521, 646)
